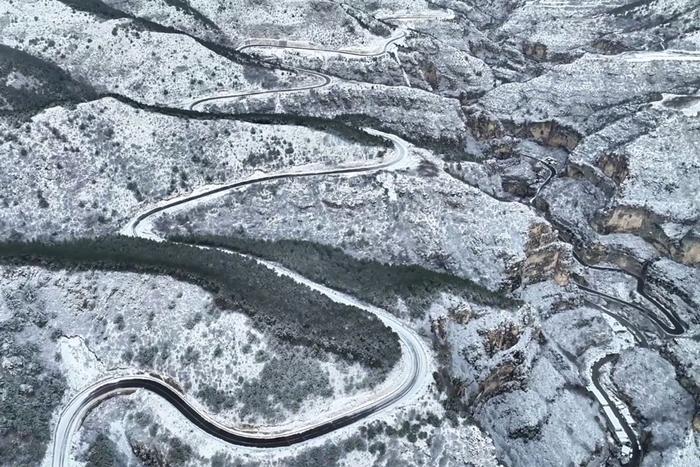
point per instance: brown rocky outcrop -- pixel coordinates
(614, 166)
(546, 257)
(649, 226)
(552, 134)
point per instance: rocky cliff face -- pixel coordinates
(655, 196)
(398, 218)
(665, 409)
(516, 373)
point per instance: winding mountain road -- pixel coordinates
(615, 411)
(413, 372)
(290, 45)
(620, 421)
(416, 357)
(552, 174)
(323, 79)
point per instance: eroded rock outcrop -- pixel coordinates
(664, 408)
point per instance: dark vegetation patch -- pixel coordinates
(29, 393)
(450, 148)
(163, 449)
(417, 427)
(222, 459)
(375, 282)
(96, 7)
(327, 454)
(284, 382)
(346, 127)
(185, 7)
(291, 312)
(27, 82)
(529, 432)
(428, 169)
(103, 452)
(451, 388)
(372, 437)
(365, 20)
(680, 102)
(179, 452)
(168, 452)
(102, 10)
(29, 390)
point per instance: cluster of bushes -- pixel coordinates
(329, 453)
(271, 153)
(163, 449)
(169, 451)
(103, 452)
(291, 312)
(146, 355)
(372, 281)
(284, 382)
(373, 442)
(179, 452)
(411, 431)
(29, 392)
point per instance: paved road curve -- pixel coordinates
(616, 414)
(416, 356)
(415, 367)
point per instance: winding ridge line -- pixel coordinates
(415, 353)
